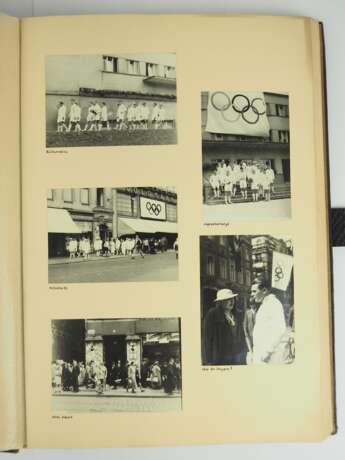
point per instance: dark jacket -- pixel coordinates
(223, 342)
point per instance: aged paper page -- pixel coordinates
(11, 375)
(241, 58)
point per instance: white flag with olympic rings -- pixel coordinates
(281, 270)
(237, 113)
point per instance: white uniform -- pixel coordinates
(131, 113)
(161, 114)
(145, 112)
(137, 113)
(214, 181)
(74, 113)
(155, 113)
(121, 112)
(61, 115)
(104, 113)
(97, 109)
(90, 113)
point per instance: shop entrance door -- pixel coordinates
(114, 349)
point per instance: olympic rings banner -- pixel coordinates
(281, 270)
(237, 113)
(152, 209)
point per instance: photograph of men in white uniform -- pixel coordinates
(104, 116)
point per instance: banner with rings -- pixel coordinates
(152, 209)
(281, 270)
(242, 113)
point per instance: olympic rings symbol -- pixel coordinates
(239, 106)
(153, 208)
(278, 273)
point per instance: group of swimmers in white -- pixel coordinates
(228, 177)
(131, 117)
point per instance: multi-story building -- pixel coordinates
(110, 212)
(273, 150)
(110, 78)
(225, 262)
(112, 340)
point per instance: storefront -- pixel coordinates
(61, 228)
(132, 340)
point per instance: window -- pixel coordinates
(222, 240)
(248, 278)
(171, 210)
(222, 268)
(68, 195)
(270, 108)
(240, 276)
(210, 266)
(282, 110)
(284, 136)
(133, 67)
(85, 196)
(50, 194)
(232, 273)
(126, 204)
(100, 197)
(110, 64)
(274, 135)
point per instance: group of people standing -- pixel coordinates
(125, 246)
(260, 335)
(230, 177)
(71, 376)
(133, 116)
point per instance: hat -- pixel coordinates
(225, 294)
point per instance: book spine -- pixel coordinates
(12, 418)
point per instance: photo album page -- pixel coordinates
(174, 223)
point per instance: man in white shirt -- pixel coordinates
(131, 116)
(120, 116)
(104, 116)
(145, 113)
(270, 323)
(97, 109)
(74, 112)
(161, 116)
(155, 115)
(61, 117)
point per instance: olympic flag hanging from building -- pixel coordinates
(237, 113)
(281, 270)
(152, 209)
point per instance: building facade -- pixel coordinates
(113, 340)
(274, 150)
(110, 78)
(225, 262)
(108, 213)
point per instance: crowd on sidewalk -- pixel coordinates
(73, 376)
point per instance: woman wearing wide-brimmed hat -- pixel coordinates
(224, 342)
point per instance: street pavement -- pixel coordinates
(153, 267)
(77, 403)
(274, 209)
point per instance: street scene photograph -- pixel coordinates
(98, 235)
(245, 156)
(116, 365)
(247, 300)
(112, 99)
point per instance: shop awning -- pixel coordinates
(128, 226)
(60, 221)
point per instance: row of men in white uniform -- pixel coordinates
(132, 116)
(226, 177)
(113, 246)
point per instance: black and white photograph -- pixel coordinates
(112, 234)
(112, 99)
(116, 365)
(247, 300)
(245, 156)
